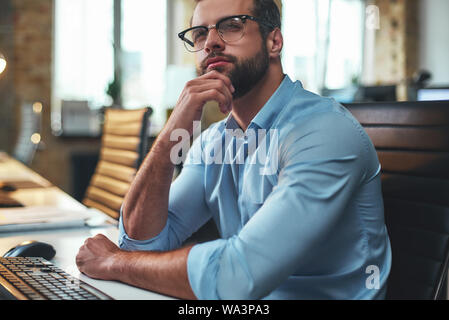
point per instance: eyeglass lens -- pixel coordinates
(229, 30)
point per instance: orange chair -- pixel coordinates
(124, 146)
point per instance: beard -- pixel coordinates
(246, 74)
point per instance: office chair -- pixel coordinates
(412, 142)
(123, 148)
(30, 133)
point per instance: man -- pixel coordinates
(305, 224)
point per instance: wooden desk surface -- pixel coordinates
(48, 195)
(65, 241)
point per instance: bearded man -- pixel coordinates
(306, 222)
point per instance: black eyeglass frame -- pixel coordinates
(243, 17)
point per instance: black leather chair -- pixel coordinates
(412, 142)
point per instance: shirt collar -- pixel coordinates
(266, 116)
(230, 123)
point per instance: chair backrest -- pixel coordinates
(412, 142)
(124, 146)
(29, 135)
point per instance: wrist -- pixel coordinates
(163, 144)
(117, 265)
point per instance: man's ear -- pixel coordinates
(275, 43)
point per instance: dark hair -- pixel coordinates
(267, 11)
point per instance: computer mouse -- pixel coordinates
(32, 249)
(8, 188)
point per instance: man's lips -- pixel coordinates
(216, 62)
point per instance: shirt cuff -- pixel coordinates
(202, 268)
(158, 243)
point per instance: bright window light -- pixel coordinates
(144, 55)
(84, 56)
(323, 42)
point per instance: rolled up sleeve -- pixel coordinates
(158, 243)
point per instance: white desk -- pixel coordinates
(67, 241)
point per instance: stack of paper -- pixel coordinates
(36, 218)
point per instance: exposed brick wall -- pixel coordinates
(33, 58)
(397, 41)
(7, 118)
(33, 53)
(412, 38)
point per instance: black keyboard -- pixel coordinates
(38, 279)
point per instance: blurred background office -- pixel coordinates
(62, 62)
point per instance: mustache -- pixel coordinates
(228, 57)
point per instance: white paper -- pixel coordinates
(41, 217)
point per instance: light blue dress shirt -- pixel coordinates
(300, 215)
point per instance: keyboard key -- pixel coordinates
(39, 279)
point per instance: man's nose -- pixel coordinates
(214, 42)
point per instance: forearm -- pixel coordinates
(145, 207)
(162, 272)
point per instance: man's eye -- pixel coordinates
(230, 26)
(199, 35)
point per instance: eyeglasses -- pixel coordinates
(230, 29)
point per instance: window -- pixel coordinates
(144, 55)
(84, 54)
(323, 42)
